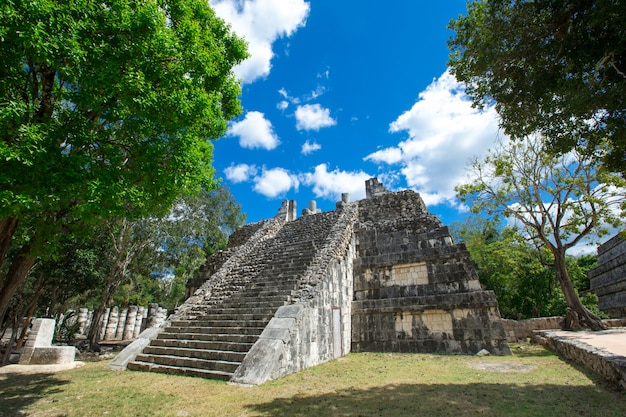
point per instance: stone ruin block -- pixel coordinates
(39, 349)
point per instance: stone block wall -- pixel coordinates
(521, 330)
(608, 279)
(414, 289)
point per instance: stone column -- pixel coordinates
(129, 327)
(119, 331)
(83, 320)
(153, 311)
(114, 318)
(138, 321)
(104, 322)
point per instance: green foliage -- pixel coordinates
(521, 276)
(161, 255)
(556, 200)
(107, 106)
(67, 328)
(550, 66)
(107, 109)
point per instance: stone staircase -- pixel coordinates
(217, 330)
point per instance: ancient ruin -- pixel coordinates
(380, 274)
(608, 279)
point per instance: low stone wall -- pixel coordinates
(603, 363)
(521, 330)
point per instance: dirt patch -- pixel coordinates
(38, 369)
(502, 367)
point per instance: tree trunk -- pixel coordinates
(578, 316)
(7, 353)
(8, 227)
(22, 264)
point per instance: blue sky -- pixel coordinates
(336, 92)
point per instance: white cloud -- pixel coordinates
(331, 185)
(313, 117)
(240, 173)
(274, 182)
(254, 131)
(261, 22)
(282, 105)
(388, 156)
(310, 147)
(444, 131)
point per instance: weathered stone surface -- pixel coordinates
(415, 290)
(608, 279)
(38, 348)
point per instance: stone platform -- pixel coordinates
(604, 352)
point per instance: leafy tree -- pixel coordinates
(552, 66)
(106, 111)
(521, 276)
(555, 200)
(140, 261)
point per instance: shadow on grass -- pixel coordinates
(18, 391)
(405, 400)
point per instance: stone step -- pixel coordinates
(263, 293)
(215, 330)
(208, 337)
(254, 298)
(252, 303)
(235, 316)
(206, 364)
(184, 352)
(203, 344)
(231, 312)
(220, 322)
(179, 370)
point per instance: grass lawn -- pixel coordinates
(532, 382)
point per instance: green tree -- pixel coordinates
(106, 111)
(521, 276)
(552, 66)
(555, 200)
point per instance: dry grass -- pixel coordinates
(533, 382)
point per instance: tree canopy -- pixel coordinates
(106, 109)
(552, 66)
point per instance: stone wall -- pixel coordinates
(414, 289)
(608, 279)
(521, 330)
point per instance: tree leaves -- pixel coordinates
(555, 67)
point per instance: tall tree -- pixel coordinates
(106, 110)
(520, 275)
(553, 66)
(555, 200)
